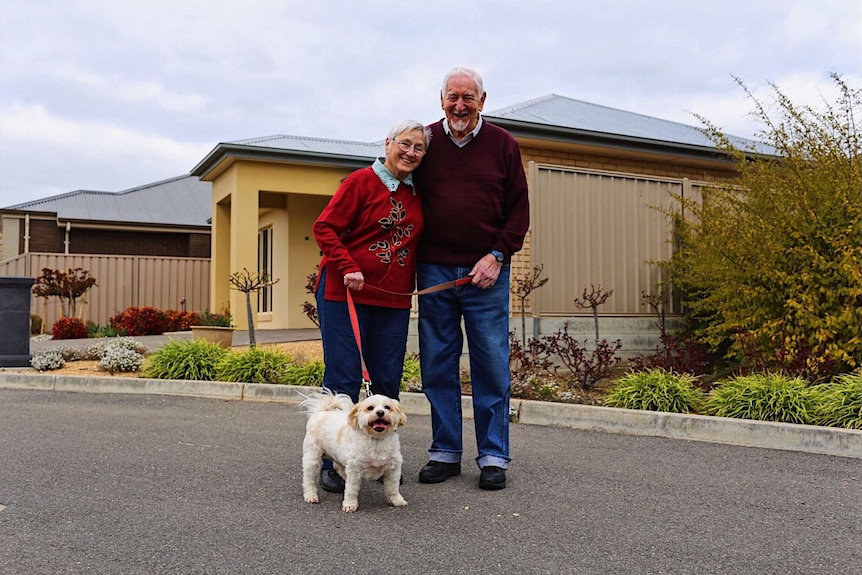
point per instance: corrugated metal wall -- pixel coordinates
(122, 281)
(593, 228)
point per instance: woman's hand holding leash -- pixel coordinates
(354, 281)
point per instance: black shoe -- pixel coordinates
(438, 472)
(331, 481)
(492, 478)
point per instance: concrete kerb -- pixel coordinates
(747, 433)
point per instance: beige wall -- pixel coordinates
(600, 229)
(11, 231)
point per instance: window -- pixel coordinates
(264, 265)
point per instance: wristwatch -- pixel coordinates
(498, 255)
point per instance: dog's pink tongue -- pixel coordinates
(378, 427)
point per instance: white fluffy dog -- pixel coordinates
(361, 441)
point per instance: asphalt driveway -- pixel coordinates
(116, 483)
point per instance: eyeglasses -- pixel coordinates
(418, 149)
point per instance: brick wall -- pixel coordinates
(45, 236)
(199, 246)
(115, 242)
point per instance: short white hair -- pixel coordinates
(409, 126)
(470, 73)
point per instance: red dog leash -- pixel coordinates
(354, 319)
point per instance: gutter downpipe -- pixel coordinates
(26, 233)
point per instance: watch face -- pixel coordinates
(497, 255)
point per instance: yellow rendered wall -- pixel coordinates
(237, 218)
(220, 237)
(304, 254)
(243, 241)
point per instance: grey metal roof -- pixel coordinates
(281, 148)
(316, 145)
(562, 112)
(552, 116)
(179, 201)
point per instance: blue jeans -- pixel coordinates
(486, 320)
(383, 333)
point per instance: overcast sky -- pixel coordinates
(109, 95)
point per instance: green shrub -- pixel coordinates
(95, 330)
(411, 377)
(35, 324)
(308, 374)
(764, 397)
(256, 365)
(207, 318)
(839, 404)
(656, 390)
(195, 360)
(771, 260)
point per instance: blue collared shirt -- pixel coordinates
(390, 181)
(467, 138)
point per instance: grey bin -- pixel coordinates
(15, 321)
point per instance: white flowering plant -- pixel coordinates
(48, 361)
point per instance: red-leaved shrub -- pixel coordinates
(69, 328)
(181, 320)
(140, 321)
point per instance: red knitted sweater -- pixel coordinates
(367, 228)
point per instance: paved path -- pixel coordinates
(143, 484)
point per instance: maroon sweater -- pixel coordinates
(367, 228)
(475, 198)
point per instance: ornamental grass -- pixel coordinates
(656, 390)
(840, 402)
(192, 360)
(764, 397)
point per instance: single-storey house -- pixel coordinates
(600, 179)
(148, 245)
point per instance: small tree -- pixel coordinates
(523, 287)
(593, 299)
(248, 282)
(67, 285)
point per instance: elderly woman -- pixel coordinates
(368, 235)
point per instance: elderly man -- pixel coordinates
(474, 195)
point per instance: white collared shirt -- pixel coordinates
(467, 138)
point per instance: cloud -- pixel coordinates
(93, 155)
(110, 95)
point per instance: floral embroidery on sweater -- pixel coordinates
(391, 223)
